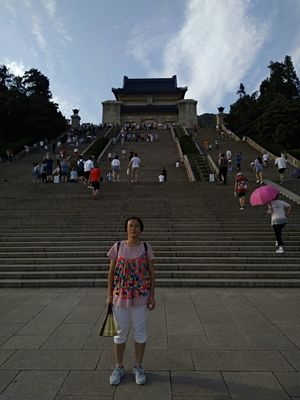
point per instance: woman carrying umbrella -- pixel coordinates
(277, 208)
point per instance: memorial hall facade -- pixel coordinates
(150, 101)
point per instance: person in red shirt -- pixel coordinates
(94, 179)
(240, 188)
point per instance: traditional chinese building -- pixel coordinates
(150, 101)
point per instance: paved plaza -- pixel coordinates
(204, 344)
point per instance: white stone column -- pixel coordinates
(111, 112)
(187, 113)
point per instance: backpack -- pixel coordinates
(80, 166)
(242, 184)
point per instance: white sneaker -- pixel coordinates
(140, 377)
(116, 376)
(280, 250)
(276, 243)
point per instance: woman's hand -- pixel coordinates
(109, 300)
(151, 303)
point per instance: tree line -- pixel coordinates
(27, 112)
(271, 115)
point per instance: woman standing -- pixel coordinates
(277, 209)
(131, 291)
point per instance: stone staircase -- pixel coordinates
(55, 235)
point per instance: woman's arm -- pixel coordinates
(151, 301)
(110, 281)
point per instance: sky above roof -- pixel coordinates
(85, 47)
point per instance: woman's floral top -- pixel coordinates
(131, 285)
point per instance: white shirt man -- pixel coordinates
(280, 162)
(161, 178)
(88, 165)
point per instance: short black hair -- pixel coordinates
(136, 219)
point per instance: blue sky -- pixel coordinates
(85, 47)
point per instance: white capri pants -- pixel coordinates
(137, 316)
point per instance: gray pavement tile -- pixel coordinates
(40, 299)
(292, 332)
(279, 314)
(156, 360)
(293, 357)
(98, 343)
(100, 397)
(87, 383)
(24, 342)
(7, 330)
(214, 314)
(226, 337)
(5, 378)
(156, 341)
(34, 385)
(239, 360)
(188, 342)
(248, 327)
(68, 336)
(21, 314)
(231, 298)
(84, 315)
(8, 305)
(254, 386)
(94, 299)
(248, 313)
(181, 316)
(290, 381)
(42, 325)
(5, 354)
(265, 341)
(158, 386)
(201, 398)
(260, 297)
(194, 383)
(206, 297)
(52, 359)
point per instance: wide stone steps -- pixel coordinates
(54, 235)
(241, 266)
(162, 282)
(184, 274)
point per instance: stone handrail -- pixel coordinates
(176, 141)
(189, 171)
(291, 159)
(104, 150)
(183, 158)
(230, 133)
(212, 165)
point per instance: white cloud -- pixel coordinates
(65, 106)
(211, 53)
(17, 68)
(38, 33)
(50, 6)
(143, 40)
(57, 22)
(295, 54)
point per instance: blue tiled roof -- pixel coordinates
(149, 86)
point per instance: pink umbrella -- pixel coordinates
(263, 195)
